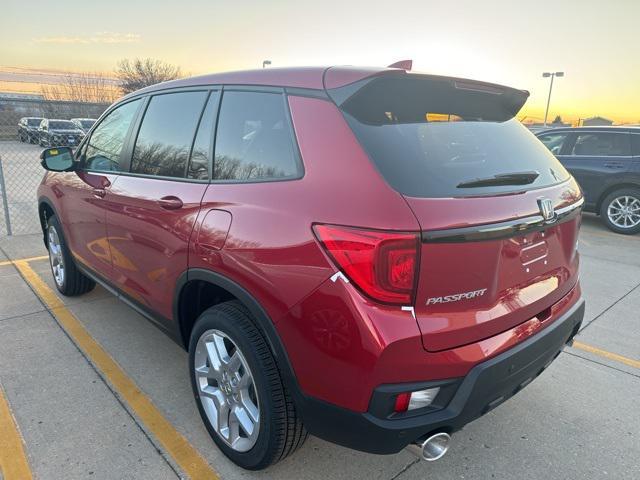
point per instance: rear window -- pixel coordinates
(434, 137)
(34, 122)
(87, 123)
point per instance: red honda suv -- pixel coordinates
(373, 256)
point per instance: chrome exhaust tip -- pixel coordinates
(432, 448)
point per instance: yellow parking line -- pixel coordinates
(13, 459)
(603, 353)
(176, 445)
(29, 259)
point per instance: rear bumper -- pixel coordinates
(486, 386)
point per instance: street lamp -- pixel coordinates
(265, 63)
(552, 75)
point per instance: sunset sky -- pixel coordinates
(596, 43)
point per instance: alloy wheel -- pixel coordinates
(55, 256)
(227, 390)
(624, 211)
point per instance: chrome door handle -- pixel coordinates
(99, 192)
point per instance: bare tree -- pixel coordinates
(86, 87)
(139, 73)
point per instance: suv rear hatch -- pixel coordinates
(499, 215)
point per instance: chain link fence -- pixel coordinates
(21, 141)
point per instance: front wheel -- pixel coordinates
(69, 280)
(239, 391)
(620, 211)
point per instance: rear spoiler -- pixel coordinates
(408, 97)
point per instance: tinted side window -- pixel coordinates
(254, 139)
(105, 145)
(554, 141)
(165, 136)
(635, 144)
(602, 144)
(199, 162)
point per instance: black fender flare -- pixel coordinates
(46, 201)
(259, 315)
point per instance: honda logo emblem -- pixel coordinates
(546, 209)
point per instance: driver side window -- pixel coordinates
(554, 141)
(103, 149)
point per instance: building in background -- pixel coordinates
(597, 122)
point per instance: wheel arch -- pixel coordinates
(45, 211)
(259, 316)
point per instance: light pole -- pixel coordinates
(265, 63)
(552, 75)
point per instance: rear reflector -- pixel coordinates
(413, 400)
(402, 402)
(381, 264)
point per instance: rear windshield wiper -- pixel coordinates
(517, 178)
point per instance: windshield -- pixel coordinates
(61, 125)
(429, 139)
(34, 122)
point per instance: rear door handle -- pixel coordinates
(99, 192)
(614, 165)
(170, 203)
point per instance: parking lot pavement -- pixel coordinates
(578, 420)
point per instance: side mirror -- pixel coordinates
(58, 159)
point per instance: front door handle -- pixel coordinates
(99, 192)
(170, 203)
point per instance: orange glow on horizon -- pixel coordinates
(596, 46)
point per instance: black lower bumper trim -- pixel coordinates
(485, 387)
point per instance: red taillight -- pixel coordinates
(402, 402)
(381, 264)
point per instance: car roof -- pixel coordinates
(292, 77)
(317, 78)
(604, 128)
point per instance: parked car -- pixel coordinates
(54, 132)
(606, 163)
(84, 124)
(28, 129)
(372, 256)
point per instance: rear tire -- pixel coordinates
(620, 211)
(69, 280)
(221, 334)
